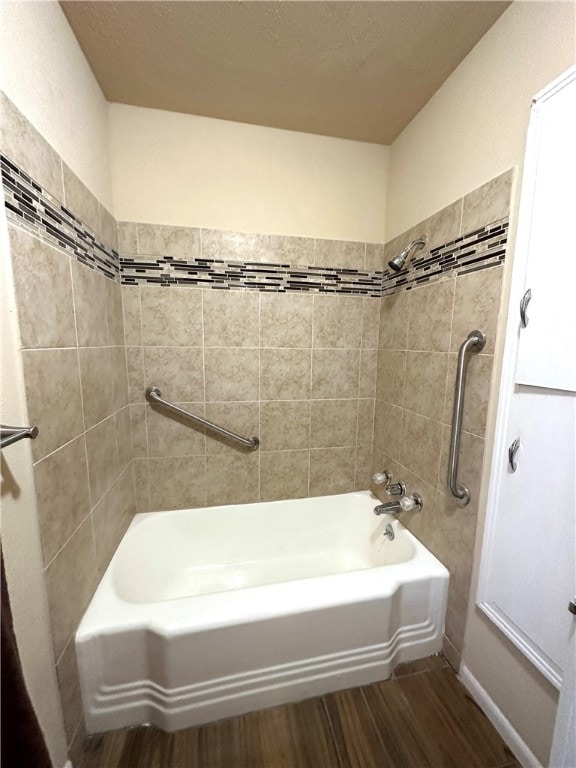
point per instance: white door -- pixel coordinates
(528, 570)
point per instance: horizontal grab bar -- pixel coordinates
(153, 395)
(473, 343)
(9, 435)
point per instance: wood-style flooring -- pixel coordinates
(423, 716)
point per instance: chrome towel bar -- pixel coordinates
(473, 343)
(153, 395)
(9, 435)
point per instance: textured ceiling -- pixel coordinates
(356, 70)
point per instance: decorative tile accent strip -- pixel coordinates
(35, 210)
(477, 250)
(242, 275)
(32, 208)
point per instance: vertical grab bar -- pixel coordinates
(473, 343)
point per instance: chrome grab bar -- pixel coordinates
(153, 395)
(9, 435)
(474, 343)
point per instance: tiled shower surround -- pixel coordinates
(340, 367)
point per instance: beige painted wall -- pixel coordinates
(19, 528)
(474, 128)
(180, 169)
(44, 72)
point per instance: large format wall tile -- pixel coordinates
(284, 475)
(91, 305)
(71, 579)
(52, 380)
(337, 321)
(171, 318)
(285, 374)
(231, 319)
(286, 320)
(65, 468)
(78, 198)
(44, 292)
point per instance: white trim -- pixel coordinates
(521, 750)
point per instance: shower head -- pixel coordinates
(398, 263)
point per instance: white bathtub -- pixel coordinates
(208, 613)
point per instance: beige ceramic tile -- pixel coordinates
(285, 374)
(368, 372)
(391, 376)
(178, 483)
(52, 380)
(132, 315)
(370, 322)
(441, 228)
(115, 313)
(96, 380)
(337, 321)
(421, 523)
(77, 745)
(421, 445)
(103, 468)
(135, 369)
(69, 685)
(340, 254)
(91, 305)
(365, 431)
(394, 316)
(233, 478)
(65, 468)
(470, 458)
(286, 320)
(119, 377)
(43, 286)
(476, 395)
(425, 387)
(172, 435)
(363, 468)
(284, 475)
(332, 470)
(71, 579)
(333, 423)
(430, 317)
(138, 429)
(476, 304)
(230, 246)
(80, 201)
(171, 317)
(488, 203)
(451, 654)
(335, 373)
(127, 232)
(123, 438)
(111, 518)
(161, 240)
(231, 318)
(282, 249)
(388, 428)
(285, 425)
(374, 257)
(176, 371)
(108, 228)
(231, 374)
(142, 485)
(22, 143)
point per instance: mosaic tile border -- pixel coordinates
(35, 210)
(239, 275)
(481, 249)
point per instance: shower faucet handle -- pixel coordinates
(382, 478)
